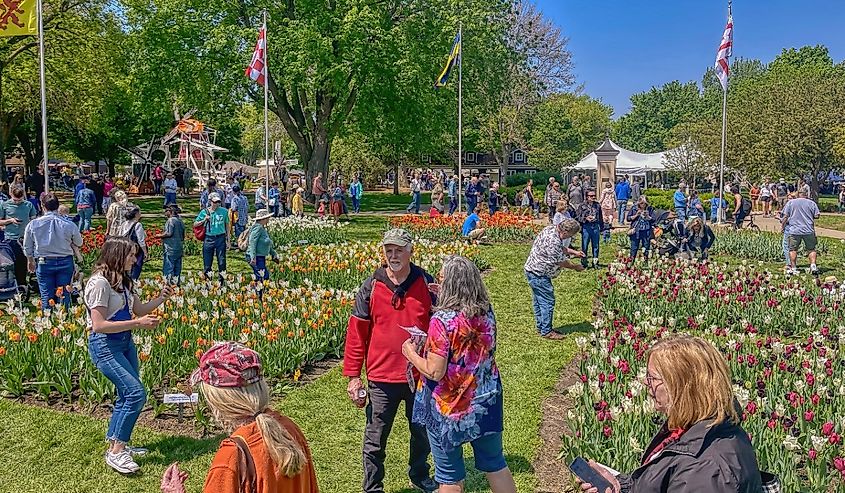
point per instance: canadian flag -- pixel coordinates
(257, 68)
(722, 57)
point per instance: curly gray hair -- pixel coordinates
(461, 288)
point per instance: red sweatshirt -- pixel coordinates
(375, 335)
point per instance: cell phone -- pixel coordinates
(587, 474)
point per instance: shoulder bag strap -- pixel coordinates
(246, 466)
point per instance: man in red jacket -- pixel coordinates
(396, 296)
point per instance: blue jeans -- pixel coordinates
(171, 266)
(415, 203)
(544, 301)
(590, 235)
(623, 210)
(211, 246)
(493, 208)
(453, 205)
(137, 267)
(85, 214)
(449, 463)
(681, 212)
(356, 204)
(786, 249)
(116, 357)
(53, 273)
(260, 269)
(471, 204)
(641, 239)
(169, 198)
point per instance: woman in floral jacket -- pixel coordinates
(459, 397)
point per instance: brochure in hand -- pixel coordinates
(418, 337)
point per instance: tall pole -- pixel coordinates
(460, 111)
(266, 125)
(721, 211)
(43, 96)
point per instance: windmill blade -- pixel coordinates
(134, 151)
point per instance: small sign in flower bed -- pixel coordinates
(48, 356)
(782, 339)
(500, 227)
(346, 265)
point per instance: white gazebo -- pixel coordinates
(627, 162)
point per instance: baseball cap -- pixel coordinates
(228, 364)
(397, 236)
(214, 197)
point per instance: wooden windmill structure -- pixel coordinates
(190, 143)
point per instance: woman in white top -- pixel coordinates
(766, 198)
(133, 230)
(114, 309)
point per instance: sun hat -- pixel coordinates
(398, 237)
(300, 190)
(262, 214)
(214, 197)
(228, 364)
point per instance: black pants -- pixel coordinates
(381, 411)
(20, 264)
(98, 207)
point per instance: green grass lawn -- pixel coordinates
(53, 451)
(831, 221)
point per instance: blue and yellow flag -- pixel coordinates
(18, 17)
(454, 59)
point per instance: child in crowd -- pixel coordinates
(297, 204)
(714, 208)
(321, 210)
(35, 202)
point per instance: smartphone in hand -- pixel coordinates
(587, 474)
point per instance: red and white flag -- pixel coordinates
(257, 68)
(722, 57)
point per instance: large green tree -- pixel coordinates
(647, 127)
(565, 127)
(789, 121)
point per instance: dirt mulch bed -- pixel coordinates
(552, 472)
(167, 422)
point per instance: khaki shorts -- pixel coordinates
(794, 242)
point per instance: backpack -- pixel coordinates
(243, 239)
(745, 206)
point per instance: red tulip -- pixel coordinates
(607, 431)
(839, 464)
(812, 454)
(834, 439)
(809, 415)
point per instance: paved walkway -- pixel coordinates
(773, 225)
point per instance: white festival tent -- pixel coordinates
(627, 162)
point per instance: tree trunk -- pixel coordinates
(396, 177)
(503, 164)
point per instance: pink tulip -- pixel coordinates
(834, 439)
(839, 464)
(809, 415)
(607, 431)
(812, 454)
(827, 429)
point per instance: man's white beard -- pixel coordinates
(395, 266)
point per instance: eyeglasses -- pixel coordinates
(650, 379)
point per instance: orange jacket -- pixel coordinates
(223, 477)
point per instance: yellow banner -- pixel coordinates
(18, 17)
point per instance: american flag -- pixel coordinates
(257, 68)
(722, 63)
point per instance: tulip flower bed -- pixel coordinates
(500, 227)
(346, 265)
(750, 245)
(48, 356)
(782, 339)
(294, 230)
(93, 239)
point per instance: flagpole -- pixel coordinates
(43, 96)
(720, 212)
(460, 111)
(266, 125)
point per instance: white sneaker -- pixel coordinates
(122, 462)
(136, 451)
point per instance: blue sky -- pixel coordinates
(623, 47)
